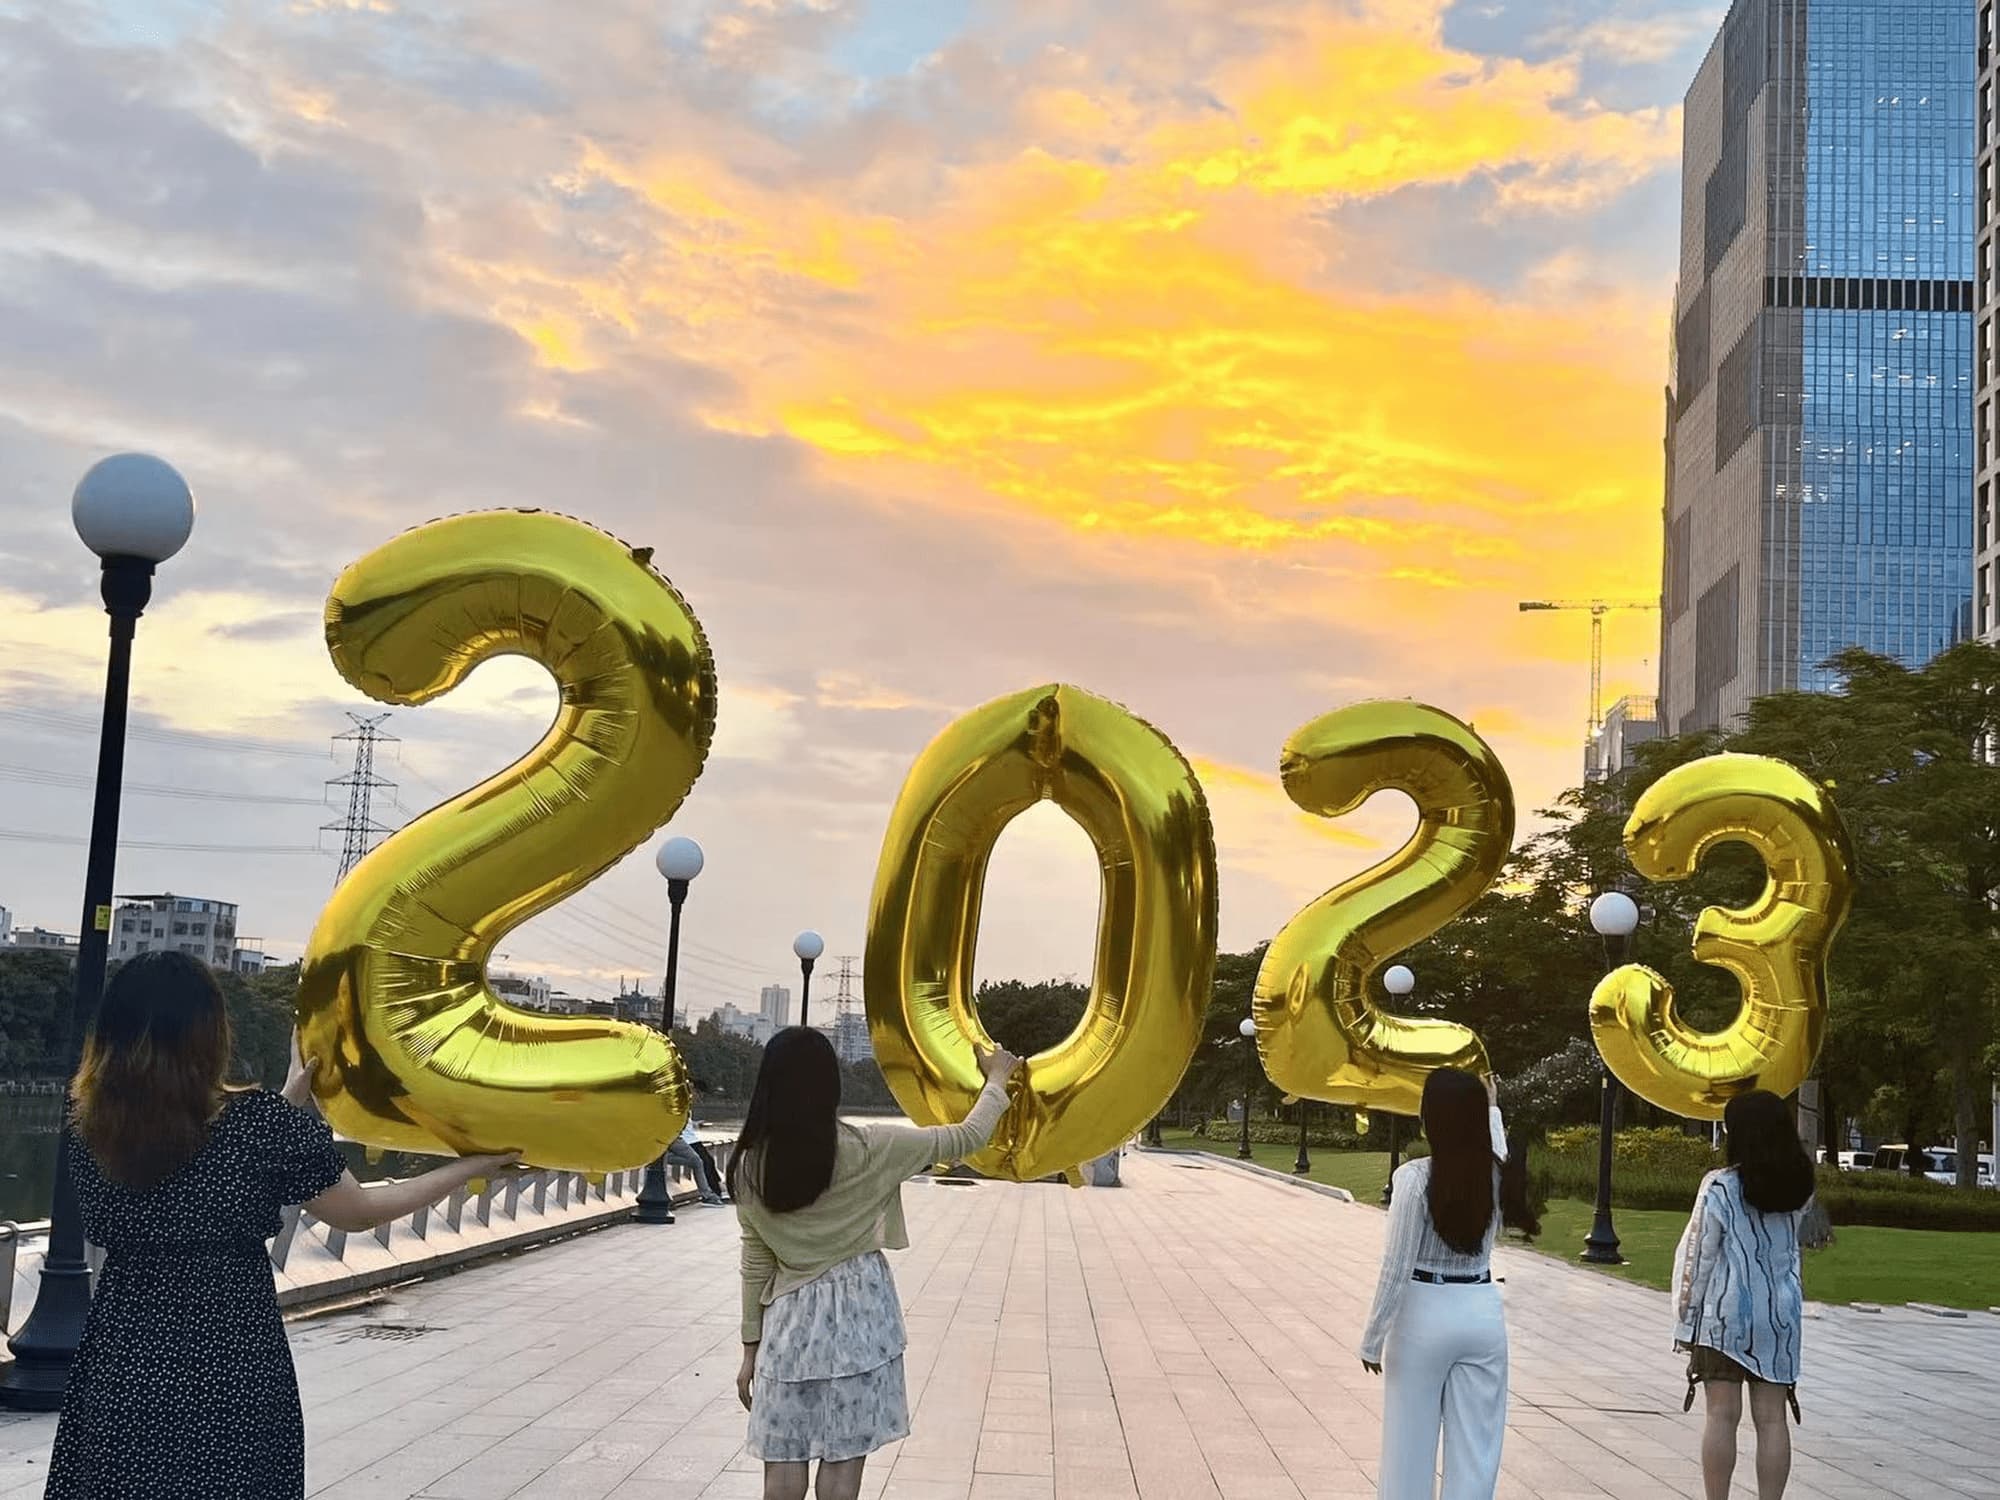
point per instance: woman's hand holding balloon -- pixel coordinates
(999, 1063)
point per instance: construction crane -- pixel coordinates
(1598, 608)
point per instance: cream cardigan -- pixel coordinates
(861, 1209)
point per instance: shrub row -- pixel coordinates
(1661, 1146)
(1277, 1133)
(1889, 1199)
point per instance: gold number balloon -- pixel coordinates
(1144, 811)
(1320, 1035)
(1776, 948)
(415, 1052)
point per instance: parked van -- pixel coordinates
(1941, 1165)
(1938, 1163)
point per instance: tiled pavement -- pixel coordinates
(1189, 1336)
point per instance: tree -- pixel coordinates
(1904, 754)
(262, 1016)
(1027, 1018)
(1217, 1072)
(36, 989)
(1908, 755)
(722, 1063)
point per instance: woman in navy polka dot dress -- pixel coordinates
(183, 1388)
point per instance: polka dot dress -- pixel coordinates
(183, 1388)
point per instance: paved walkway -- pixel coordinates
(1189, 1336)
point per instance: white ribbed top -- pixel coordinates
(1415, 1245)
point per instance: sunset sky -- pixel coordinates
(1233, 359)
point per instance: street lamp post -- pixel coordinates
(1399, 980)
(806, 947)
(1615, 916)
(679, 860)
(134, 512)
(1247, 1029)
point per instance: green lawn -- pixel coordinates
(1864, 1264)
(1362, 1173)
(1646, 1238)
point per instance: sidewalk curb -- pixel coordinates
(1324, 1189)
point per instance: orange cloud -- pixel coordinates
(1145, 325)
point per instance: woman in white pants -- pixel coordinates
(1436, 1308)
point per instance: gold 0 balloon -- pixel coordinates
(1143, 809)
(1320, 1035)
(415, 1051)
(1777, 948)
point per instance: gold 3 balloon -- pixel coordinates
(1777, 947)
(416, 1052)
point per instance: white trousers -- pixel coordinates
(1445, 1366)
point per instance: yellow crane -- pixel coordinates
(1598, 608)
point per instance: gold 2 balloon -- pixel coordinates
(1320, 1033)
(1777, 948)
(1139, 801)
(415, 1051)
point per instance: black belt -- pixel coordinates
(1438, 1278)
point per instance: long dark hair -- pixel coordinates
(1764, 1147)
(784, 1153)
(1460, 1194)
(152, 1072)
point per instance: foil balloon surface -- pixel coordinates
(415, 1051)
(1139, 801)
(1320, 1032)
(1777, 948)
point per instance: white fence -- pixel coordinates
(315, 1263)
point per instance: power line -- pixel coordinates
(41, 776)
(28, 836)
(46, 718)
(644, 933)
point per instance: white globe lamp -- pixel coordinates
(679, 859)
(1614, 915)
(133, 505)
(806, 948)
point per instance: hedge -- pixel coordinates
(1663, 1168)
(1277, 1133)
(1889, 1199)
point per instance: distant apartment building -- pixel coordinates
(775, 1005)
(6, 923)
(519, 989)
(755, 1025)
(849, 1035)
(637, 1005)
(536, 994)
(1631, 722)
(193, 925)
(41, 940)
(1819, 488)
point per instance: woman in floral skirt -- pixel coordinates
(819, 1201)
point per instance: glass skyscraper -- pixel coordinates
(1986, 299)
(1820, 419)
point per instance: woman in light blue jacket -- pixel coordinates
(1738, 1291)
